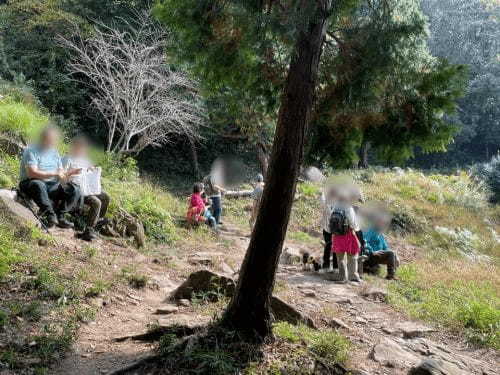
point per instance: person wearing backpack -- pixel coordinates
(345, 244)
(327, 202)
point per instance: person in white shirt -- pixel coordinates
(257, 197)
(78, 159)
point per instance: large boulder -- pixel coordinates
(286, 312)
(436, 367)
(389, 353)
(14, 211)
(213, 285)
(205, 282)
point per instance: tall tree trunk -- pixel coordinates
(194, 158)
(363, 154)
(249, 310)
(263, 158)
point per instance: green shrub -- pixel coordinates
(9, 248)
(53, 286)
(21, 119)
(490, 174)
(4, 319)
(467, 306)
(98, 287)
(308, 189)
(327, 344)
(55, 341)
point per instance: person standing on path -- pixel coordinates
(345, 244)
(256, 196)
(214, 193)
(327, 203)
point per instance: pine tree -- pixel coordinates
(229, 43)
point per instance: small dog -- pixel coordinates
(309, 261)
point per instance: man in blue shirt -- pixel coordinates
(41, 178)
(378, 251)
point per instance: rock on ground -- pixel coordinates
(412, 330)
(285, 312)
(435, 367)
(375, 294)
(389, 353)
(205, 281)
(15, 211)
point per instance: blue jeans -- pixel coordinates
(216, 208)
(50, 196)
(211, 222)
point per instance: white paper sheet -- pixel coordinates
(90, 182)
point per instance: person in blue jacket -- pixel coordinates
(377, 250)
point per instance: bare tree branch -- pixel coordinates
(142, 100)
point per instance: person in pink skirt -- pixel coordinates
(345, 244)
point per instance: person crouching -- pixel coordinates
(378, 251)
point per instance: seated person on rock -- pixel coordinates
(78, 160)
(42, 179)
(377, 250)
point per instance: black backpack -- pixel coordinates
(338, 222)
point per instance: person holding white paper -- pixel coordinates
(93, 196)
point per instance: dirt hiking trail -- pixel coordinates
(386, 341)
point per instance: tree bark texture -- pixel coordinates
(263, 158)
(363, 155)
(194, 158)
(249, 310)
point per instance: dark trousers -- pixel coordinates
(377, 258)
(327, 252)
(51, 196)
(98, 206)
(216, 208)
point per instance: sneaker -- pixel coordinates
(64, 223)
(51, 220)
(88, 235)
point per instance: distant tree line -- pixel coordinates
(468, 32)
(390, 78)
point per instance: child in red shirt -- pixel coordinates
(198, 211)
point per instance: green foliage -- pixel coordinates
(382, 80)
(10, 248)
(4, 319)
(470, 306)
(454, 35)
(327, 344)
(90, 251)
(21, 119)
(309, 190)
(489, 173)
(53, 342)
(98, 287)
(53, 286)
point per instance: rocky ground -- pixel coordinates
(130, 319)
(386, 341)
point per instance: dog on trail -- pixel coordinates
(309, 263)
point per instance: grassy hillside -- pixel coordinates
(448, 236)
